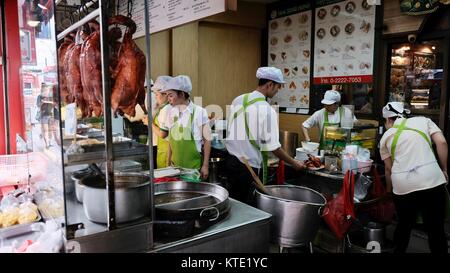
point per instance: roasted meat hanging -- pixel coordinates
(62, 50)
(129, 75)
(91, 70)
(72, 69)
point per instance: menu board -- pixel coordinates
(290, 51)
(165, 14)
(344, 39)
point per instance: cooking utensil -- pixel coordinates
(296, 213)
(97, 170)
(256, 181)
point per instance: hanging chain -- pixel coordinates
(130, 8)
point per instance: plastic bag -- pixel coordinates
(362, 184)
(384, 210)
(190, 175)
(339, 213)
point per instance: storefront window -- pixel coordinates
(416, 75)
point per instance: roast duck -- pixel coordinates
(81, 75)
(313, 162)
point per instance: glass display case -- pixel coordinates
(416, 77)
(77, 170)
(336, 138)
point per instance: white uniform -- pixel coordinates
(263, 126)
(415, 167)
(317, 119)
(200, 118)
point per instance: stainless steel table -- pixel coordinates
(245, 230)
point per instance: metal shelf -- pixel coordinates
(131, 150)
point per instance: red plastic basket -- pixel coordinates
(19, 169)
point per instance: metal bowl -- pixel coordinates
(182, 200)
(132, 197)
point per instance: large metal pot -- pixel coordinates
(296, 213)
(289, 142)
(182, 200)
(132, 197)
(76, 178)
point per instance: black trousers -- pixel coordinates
(240, 181)
(431, 204)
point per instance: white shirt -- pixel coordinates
(162, 121)
(263, 126)
(199, 119)
(317, 119)
(415, 166)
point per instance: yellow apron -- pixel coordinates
(163, 144)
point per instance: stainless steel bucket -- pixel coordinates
(289, 142)
(375, 232)
(296, 213)
(132, 197)
(215, 164)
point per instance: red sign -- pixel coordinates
(344, 79)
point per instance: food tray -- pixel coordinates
(8, 231)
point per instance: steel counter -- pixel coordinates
(245, 230)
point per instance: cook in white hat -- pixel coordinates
(261, 137)
(160, 108)
(329, 115)
(188, 128)
(395, 109)
(416, 177)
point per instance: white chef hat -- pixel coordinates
(160, 82)
(394, 109)
(180, 82)
(270, 73)
(331, 97)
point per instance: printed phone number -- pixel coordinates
(341, 80)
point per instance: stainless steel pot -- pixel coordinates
(132, 197)
(76, 178)
(296, 213)
(215, 164)
(182, 200)
(289, 142)
(375, 232)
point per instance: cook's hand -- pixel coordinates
(204, 172)
(299, 165)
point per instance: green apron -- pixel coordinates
(264, 154)
(400, 128)
(182, 143)
(327, 124)
(163, 144)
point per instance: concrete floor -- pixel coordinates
(417, 244)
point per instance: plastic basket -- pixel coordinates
(19, 169)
